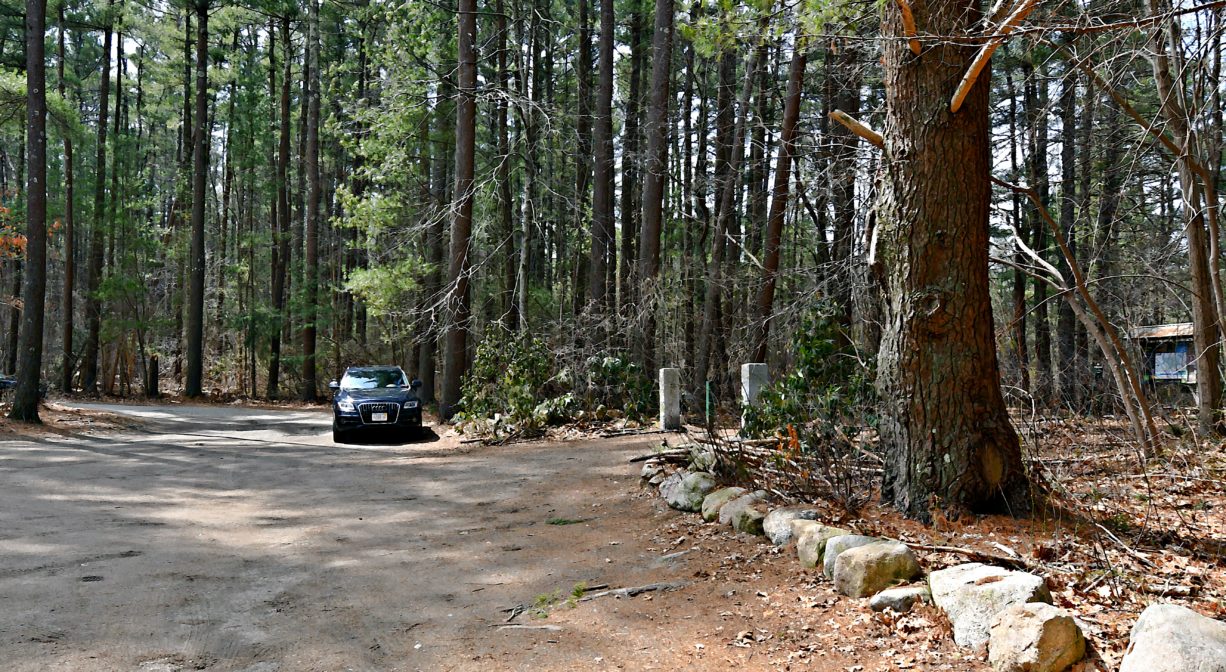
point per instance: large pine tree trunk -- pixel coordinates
(602, 170)
(68, 361)
(281, 237)
(455, 364)
(93, 271)
(654, 168)
(200, 167)
(778, 204)
(310, 267)
(944, 427)
(34, 289)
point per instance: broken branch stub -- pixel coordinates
(908, 25)
(985, 52)
(858, 128)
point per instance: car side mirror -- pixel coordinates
(415, 384)
(334, 386)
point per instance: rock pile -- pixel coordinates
(1007, 612)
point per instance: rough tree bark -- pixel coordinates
(455, 363)
(944, 427)
(602, 170)
(200, 168)
(93, 270)
(281, 237)
(779, 202)
(34, 289)
(655, 169)
(68, 361)
(310, 266)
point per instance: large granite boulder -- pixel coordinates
(778, 523)
(1171, 638)
(811, 537)
(689, 493)
(1034, 637)
(748, 518)
(972, 594)
(712, 503)
(836, 545)
(866, 570)
(900, 599)
(668, 487)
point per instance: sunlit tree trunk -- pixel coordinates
(944, 427)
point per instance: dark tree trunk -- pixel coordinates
(1036, 122)
(282, 237)
(97, 236)
(630, 187)
(455, 364)
(68, 362)
(602, 141)
(779, 202)
(200, 168)
(1066, 325)
(310, 268)
(34, 289)
(506, 204)
(843, 179)
(655, 172)
(945, 430)
(583, 152)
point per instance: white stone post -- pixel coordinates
(753, 378)
(670, 399)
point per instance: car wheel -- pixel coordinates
(339, 436)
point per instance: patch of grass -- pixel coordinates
(565, 521)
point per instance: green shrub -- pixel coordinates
(828, 390)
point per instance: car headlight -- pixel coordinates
(345, 406)
(410, 404)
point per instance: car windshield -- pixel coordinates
(369, 379)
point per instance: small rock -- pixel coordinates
(729, 510)
(748, 519)
(671, 483)
(702, 458)
(712, 503)
(1035, 637)
(689, 493)
(866, 570)
(658, 479)
(778, 523)
(1171, 638)
(811, 537)
(651, 470)
(900, 599)
(836, 545)
(971, 594)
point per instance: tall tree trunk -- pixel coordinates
(655, 167)
(34, 289)
(707, 337)
(68, 361)
(506, 204)
(1036, 123)
(1020, 337)
(1206, 332)
(282, 237)
(779, 202)
(843, 179)
(97, 236)
(455, 364)
(602, 141)
(1066, 324)
(583, 150)
(310, 269)
(630, 187)
(945, 430)
(200, 169)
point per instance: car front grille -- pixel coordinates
(370, 408)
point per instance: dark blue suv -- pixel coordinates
(371, 397)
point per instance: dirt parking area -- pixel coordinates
(223, 538)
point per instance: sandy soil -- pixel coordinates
(224, 538)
